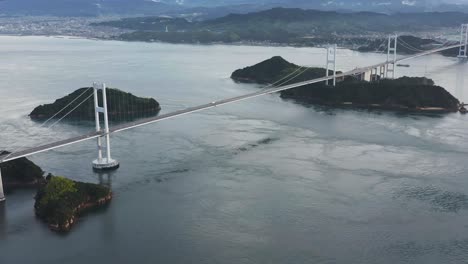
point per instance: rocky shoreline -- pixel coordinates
(77, 211)
(61, 201)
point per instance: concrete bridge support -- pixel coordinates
(360, 76)
(391, 56)
(382, 72)
(331, 60)
(2, 194)
(102, 163)
(375, 74)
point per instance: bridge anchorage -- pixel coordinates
(102, 163)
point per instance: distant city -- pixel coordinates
(88, 27)
(58, 26)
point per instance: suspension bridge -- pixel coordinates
(384, 69)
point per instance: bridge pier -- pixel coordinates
(375, 75)
(2, 194)
(101, 163)
(360, 76)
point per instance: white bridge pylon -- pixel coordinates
(102, 163)
(2, 195)
(391, 56)
(463, 41)
(331, 59)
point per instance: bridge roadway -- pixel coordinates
(146, 121)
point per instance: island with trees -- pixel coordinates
(121, 105)
(406, 93)
(60, 201)
(20, 173)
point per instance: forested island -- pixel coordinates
(406, 93)
(121, 106)
(20, 173)
(275, 69)
(60, 201)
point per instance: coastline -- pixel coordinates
(240, 43)
(61, 201)
(77, 212)
(374, 107)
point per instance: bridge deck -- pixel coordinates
(146, 121)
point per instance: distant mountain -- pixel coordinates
(306, 22)
(314, 21)
(206, 9)
(386, 6)
(84, 7)
(292, 26)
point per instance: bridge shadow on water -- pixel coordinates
(107, 217)
(105, 178)
(3, 221)
(337, 109)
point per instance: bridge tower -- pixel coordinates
(331, 60)
(2, 195)
(102, 163)
(463, 41)
(391, 56)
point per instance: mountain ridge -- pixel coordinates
(209, 8)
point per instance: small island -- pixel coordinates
(406, 93)
(274, 70)
(61, 201)
(20, 173)
(121, 105)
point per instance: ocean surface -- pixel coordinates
(260, 181)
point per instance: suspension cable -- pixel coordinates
(50, 118)
(69, 112)
(53, 116)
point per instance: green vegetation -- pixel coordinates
(291, 26)
(60, 201)
(20, 173)
(404, 93)
(192, 37)
(148, 23)
(121, 105)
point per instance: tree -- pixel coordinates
(57, 188)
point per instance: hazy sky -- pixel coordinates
(450, 1)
